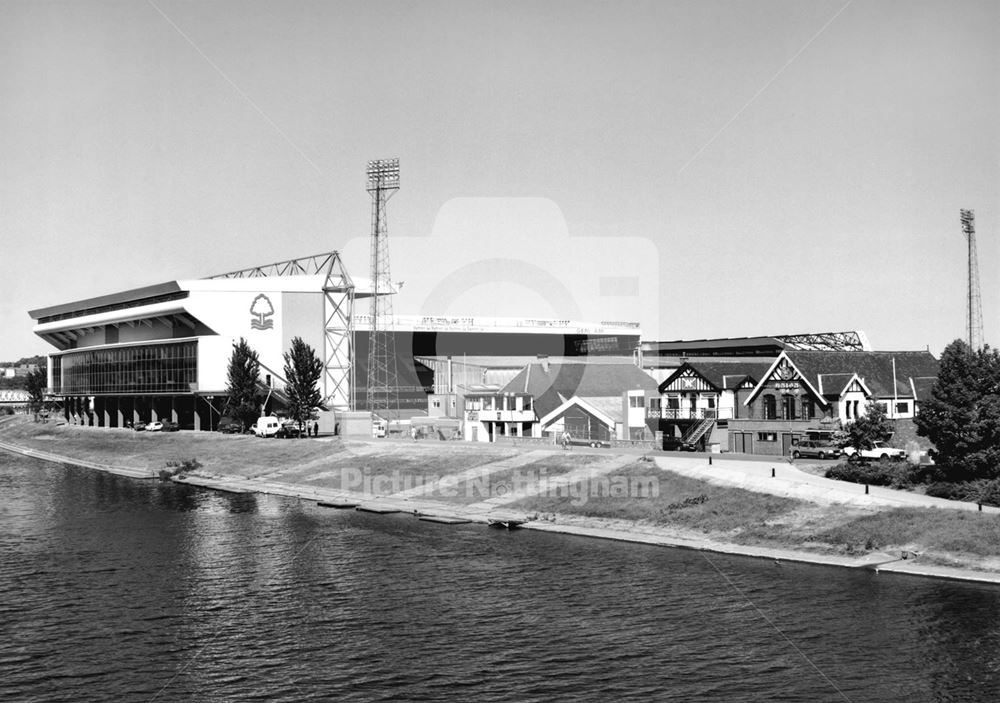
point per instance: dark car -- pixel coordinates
(139, 427)
(674, 444)
(228, 425)
(814, 449)
(288, 430)
(169, 426)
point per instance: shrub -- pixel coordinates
(985, 491)
(176, 468)
(943, 489)
(897, 474)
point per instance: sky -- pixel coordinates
(709, 169)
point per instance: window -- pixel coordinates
(903, 408)
(151, 368)
(711, 402)
(436, 403)
(673, 402)
(635, 401)
(770, 408)
(808, 409)
(788, 407)
(767, 436)
(654, 403)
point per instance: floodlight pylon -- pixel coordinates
(383, 378)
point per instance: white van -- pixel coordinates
(266, 426)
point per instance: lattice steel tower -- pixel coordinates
(974, 318)
(383, 394)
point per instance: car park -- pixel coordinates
(814, 449)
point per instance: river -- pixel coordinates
(118, 589)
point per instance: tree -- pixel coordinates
(243, 378)
(37, 382)
(871, 427)
(962, 415)
(303, 371)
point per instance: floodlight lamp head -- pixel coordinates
(968, 220)
(383, 174)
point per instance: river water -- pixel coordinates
(113, 589)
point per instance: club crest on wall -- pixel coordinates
(262, 310)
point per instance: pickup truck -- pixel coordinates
(881, 450)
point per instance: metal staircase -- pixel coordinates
(698, 430)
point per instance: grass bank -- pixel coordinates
(680, 505)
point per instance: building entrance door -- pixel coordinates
(786, 443)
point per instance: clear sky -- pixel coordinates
(779, 166)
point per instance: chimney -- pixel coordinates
(543, 359)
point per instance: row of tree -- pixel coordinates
(303, 372)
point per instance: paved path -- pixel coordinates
(791, 482)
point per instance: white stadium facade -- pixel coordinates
(162, 352)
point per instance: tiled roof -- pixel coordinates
(550, 388)
(833, 383)
(724, 375)
(874, 368)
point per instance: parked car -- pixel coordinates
(139, 427)
(289, 428)
(169, 426)
(814, 449)
(881, 450)
(267, 426)
(229, 425)
(154, 427)
(675, 444)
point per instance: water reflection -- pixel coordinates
(130, 587)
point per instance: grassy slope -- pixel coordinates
(728, 514)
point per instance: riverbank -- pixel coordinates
(592, 493)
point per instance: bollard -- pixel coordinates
(709, 461)
(980, 507)
(866, 489)
(772, 472)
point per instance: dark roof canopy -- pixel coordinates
(125, 298)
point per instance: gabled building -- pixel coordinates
(589, 401)
(812, 393)
(698, 399)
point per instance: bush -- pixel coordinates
(176, 468)
(983, 490)
(897, 474)
(950, 491)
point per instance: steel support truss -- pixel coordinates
(338, 319)
(338, 355)
(854, 340)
